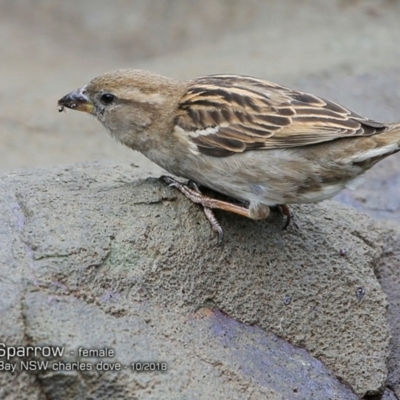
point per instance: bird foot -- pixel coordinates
(285, 211)
(193, 193)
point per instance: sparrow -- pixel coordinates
(258, 143)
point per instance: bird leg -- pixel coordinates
(197, 197)
(193, 193)
(209, 213)
(285, 210)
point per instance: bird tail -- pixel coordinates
(391, 137)
(394, 131)
(388, 142)
(379, 146)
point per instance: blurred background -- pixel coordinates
(345, 50)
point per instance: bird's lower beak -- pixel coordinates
(76, 100)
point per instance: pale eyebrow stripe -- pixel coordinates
(137, 95)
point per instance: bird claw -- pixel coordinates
(285, 211)
(215, 225)
(193, 193)
(193, 185)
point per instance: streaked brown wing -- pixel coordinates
(227, 114)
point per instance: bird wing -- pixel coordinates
(227, 114)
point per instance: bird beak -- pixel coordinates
(76, 100)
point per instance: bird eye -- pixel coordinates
(107, 98)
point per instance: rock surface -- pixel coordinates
(94, 256)
(389, 277)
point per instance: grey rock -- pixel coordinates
(209, 355)
(14, 268)
(389, 395)
(388, 274)
(97, 257)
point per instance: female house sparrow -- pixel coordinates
(247, 138)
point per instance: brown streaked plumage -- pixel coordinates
(250, 139)
(250, 118)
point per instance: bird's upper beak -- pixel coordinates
(76, 100)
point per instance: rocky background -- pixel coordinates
(95, 254)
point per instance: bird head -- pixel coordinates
(126, 102)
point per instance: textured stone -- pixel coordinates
(388, 273)
(98, 234)
(209, 355)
